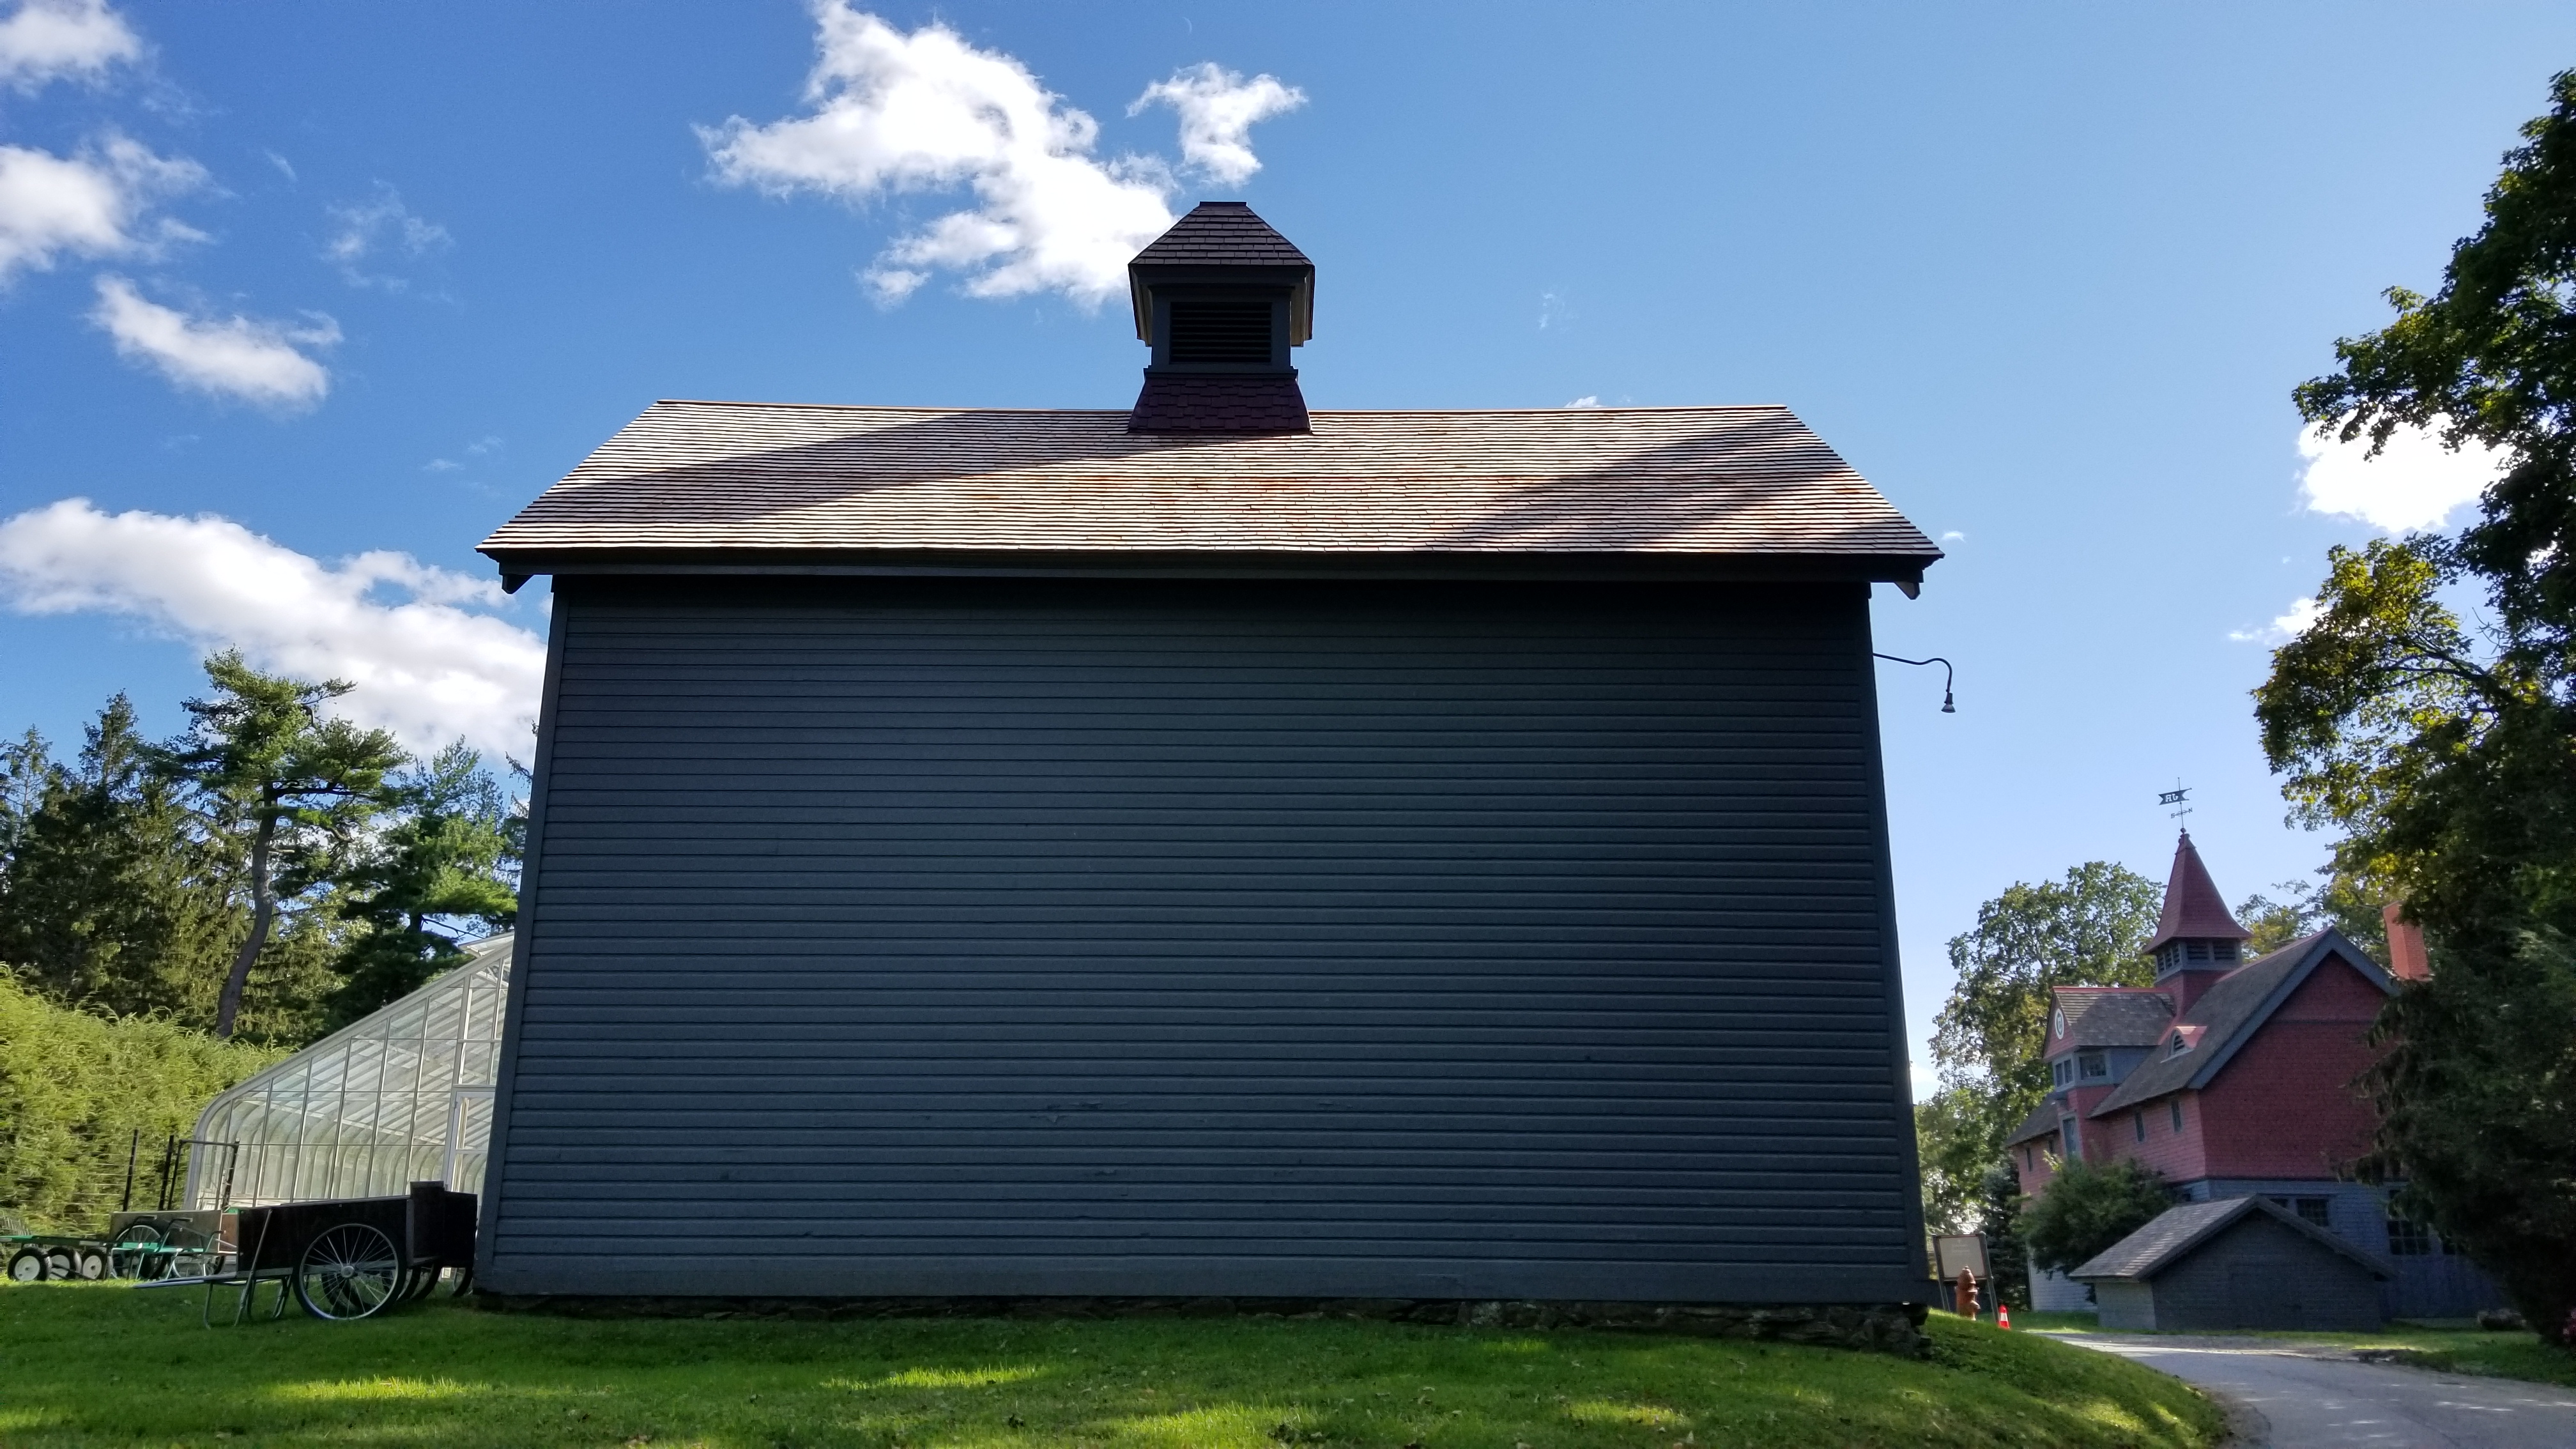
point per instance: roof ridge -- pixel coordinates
(2198, 1222)
(716, 402)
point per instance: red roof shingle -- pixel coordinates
(2194, 910)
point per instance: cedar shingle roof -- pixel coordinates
(2109, 1016)
(2173, 1234)
(1746, 490)
(1220, 234)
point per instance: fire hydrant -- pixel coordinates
(1969, 1307)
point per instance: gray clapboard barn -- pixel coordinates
(1209, 848)
(2242, 1262)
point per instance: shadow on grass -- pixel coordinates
(92, 1364)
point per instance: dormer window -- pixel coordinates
(2063, 1071)
(2179, 1045)
(2223, 950)
(2092, 1065)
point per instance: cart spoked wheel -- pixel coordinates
(192, 1254)
(351, 1271)
(27, 1265)
(137, 1253)
(88, 1264)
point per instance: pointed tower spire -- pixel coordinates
(2196, 937)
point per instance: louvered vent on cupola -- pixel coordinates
(1220, 329)
(1221, 298)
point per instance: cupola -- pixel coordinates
(1221, 298)
(2197, 939)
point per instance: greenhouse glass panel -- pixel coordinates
(399, 1097)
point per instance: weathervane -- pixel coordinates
(2174, 797)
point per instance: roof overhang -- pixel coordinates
(1143, 279)
(518, 565)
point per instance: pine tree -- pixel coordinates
(286, 784)
(446, 866)
(109, 897)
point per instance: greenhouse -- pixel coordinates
(399, 1097)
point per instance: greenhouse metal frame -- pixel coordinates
(398, 1097)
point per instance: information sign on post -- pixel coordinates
(1960, 1253)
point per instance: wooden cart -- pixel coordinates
(345, 1258)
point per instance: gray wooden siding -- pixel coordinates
(959, 937)
(2124, 1304)
(2260, 1274)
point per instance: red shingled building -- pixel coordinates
(2235, 1077)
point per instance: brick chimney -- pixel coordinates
(2406, 958)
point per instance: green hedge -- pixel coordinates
(73, 1090)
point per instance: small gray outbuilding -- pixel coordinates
(2241, 1262)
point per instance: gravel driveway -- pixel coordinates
(2294, 1396)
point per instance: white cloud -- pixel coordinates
(379, 226)
(1954, 536)
(2302, 613)
(1218, 109)
(896, 113)
(45, 40)
(93, 204)
(1588, 400)
(2414, 483)
(228, 356)
(427, 667)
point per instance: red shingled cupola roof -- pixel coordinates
(2194, 911)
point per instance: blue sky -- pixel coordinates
(305, 299)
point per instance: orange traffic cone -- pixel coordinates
(2003, 1315)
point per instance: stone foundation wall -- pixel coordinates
(1890, 1328)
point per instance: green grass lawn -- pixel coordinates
(2449, 1350)
(103, 1363)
